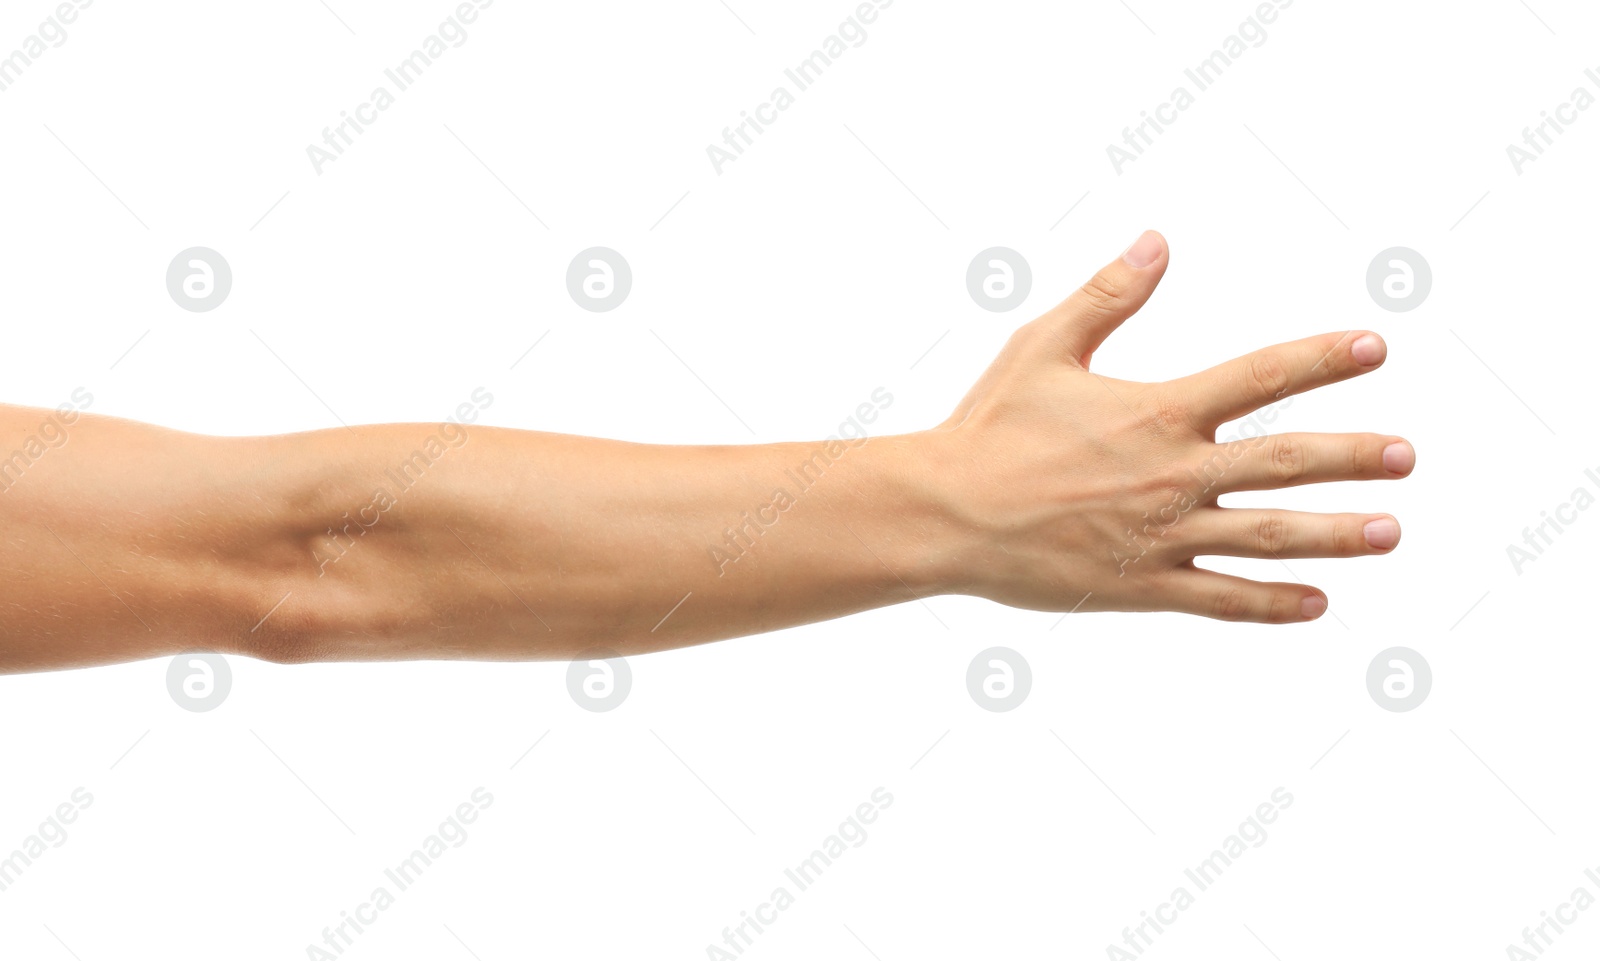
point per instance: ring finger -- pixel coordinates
(1239, 532)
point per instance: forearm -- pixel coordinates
(440, 541)
(518, 544)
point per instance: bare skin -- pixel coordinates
(1049, 487)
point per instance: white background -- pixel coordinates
(411, 271)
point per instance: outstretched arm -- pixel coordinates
(1050, 487)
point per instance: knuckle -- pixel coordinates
(1286, 460)
(1347, 537)
(1169, 414)
(1209, 471)
(1173, 484)
(1366, 456)
(1283, 607)
(1230, 605)
(1102, 294)
(1021, 342)
(1025, 334)
(1268, 376)
(1271, 534)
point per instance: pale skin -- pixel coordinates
(1050, 487)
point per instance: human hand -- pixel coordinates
(1068, 490)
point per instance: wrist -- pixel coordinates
(928, 542)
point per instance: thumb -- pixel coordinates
(1085, 319)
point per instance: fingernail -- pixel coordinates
(1368, 350)
(1399, 458)
(1382, 533)
(1312, 606)
(1144, 251)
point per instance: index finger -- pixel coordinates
(1234, 389)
